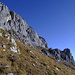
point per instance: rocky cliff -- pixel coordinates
(24, 52)
(16, 26)
(16, 58)
(60, 55)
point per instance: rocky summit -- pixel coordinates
(24, 52)
(60, 55)
(16, 26)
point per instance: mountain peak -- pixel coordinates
(11, 21)
(60, 55)
(24, 52)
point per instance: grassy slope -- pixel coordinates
(29, 61)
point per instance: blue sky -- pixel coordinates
(52, 19)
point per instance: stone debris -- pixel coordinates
(30, 51)
(33, 64)
(57, 69)
(4, 50)
(10, 74)
(6, 35)
(14, 49)
(37, 58)
(0, 34)
(19, 28)
(13, 41)
(8, 38)
(18, 51)
(4, 46)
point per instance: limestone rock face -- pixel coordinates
(4, 14)
(60, 55)
(67, 55)
(17, 27)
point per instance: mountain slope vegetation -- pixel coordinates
(24, 52)
(25, 60)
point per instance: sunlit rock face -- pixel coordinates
(17, 27)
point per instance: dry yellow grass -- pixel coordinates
(29, 61)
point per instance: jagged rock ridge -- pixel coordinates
(16, 26)
(59, 55)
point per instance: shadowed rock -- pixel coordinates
(64, 55)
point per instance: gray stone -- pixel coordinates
(67, 55)
(64, 55)
(17, 27)
(10, 74)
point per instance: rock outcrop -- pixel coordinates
(59, 55)
(16, 26)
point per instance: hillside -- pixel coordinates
(24, 52)
(19, 59)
